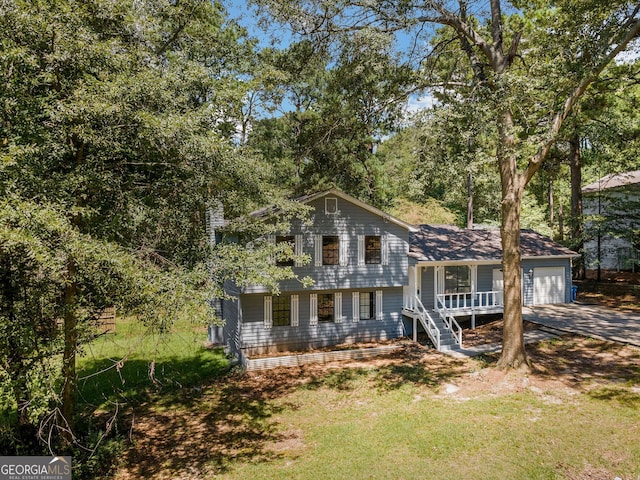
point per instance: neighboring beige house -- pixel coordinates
(611, 208)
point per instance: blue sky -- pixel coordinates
(246, 16)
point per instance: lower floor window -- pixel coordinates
(281, 308)
(367, 305)
(325, 307)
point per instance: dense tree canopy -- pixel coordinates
(117, 129)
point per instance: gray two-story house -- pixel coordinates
(359, 266)
(376, 277)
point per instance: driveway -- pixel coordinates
(589, 320)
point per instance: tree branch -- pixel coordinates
(561, 116)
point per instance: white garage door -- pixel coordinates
(548, 285)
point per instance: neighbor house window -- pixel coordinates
(372, 251)
(367, 305)
(325, 307)
(330, 250)
(290, 239)
(457, 279)
(281, 310)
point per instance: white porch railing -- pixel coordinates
(471, 301)
(427, 322)
(450, 321)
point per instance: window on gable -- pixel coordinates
(372, 251)
(457, 279)
(290, 239)
(330, 206)
(330, 250)
(281, 310)
(325, 307)
(367, 305)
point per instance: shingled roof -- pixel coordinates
(615, 180)
(447, 243)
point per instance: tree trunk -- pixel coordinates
(470, 201)
(576, 201)
(560, 223)
(552, 219)
(513, 352)
(69, 355)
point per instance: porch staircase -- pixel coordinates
(448, 339)
(443, 330)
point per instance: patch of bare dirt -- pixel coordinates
(589, 473)
(489, 333)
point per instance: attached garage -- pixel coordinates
(549, 285)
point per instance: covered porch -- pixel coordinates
(455, 289)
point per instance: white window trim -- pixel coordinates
(333, 210)
(361, 250)
(355, 300)
(343, 250)
(317, 239)
(298, 249)
(337, 307)
(295, 310)
(268, 312)
(271, 239)
(313, 309)
(379, 309)
(384, 249)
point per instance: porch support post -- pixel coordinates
(415, 329)
(435, 287)
(474, 288)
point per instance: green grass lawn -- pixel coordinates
(417, 416)
(133, 364)
(409, 433)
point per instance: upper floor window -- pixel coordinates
(372, 252)
(326, 307)
(290, 239)
(457, 279)
(330, 250)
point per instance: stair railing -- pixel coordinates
(449, 320)
(427, 322)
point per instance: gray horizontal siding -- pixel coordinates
(229, 332)
(485, 279)
(545, 262)
(427, 293)
(351, 221)
(256, 338)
